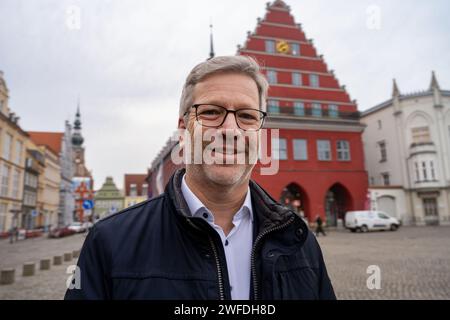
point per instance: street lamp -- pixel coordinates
(14, 230)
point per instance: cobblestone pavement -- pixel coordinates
(414, 263)
(46, 284)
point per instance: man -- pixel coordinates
(213, 233)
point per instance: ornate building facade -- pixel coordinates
(12, 163)
(61, 144)
(108, 199)
(407, 149)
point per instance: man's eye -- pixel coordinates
(247, 116)
(210, 112)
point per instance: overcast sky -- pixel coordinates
(128, 59)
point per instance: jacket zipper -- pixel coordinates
(216, 258)
(257, 240)
(219, 270)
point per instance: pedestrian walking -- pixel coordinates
(319, 228)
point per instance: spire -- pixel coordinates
(435, 90)
(77, 122)
(77, 138)
(211, 50)
(434, 84)
(395, 91)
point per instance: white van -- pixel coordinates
(365, 221)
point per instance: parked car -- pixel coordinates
(88, 225)
(78, 227)
(61, 232)
(364, 221)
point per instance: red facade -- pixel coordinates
(313, 187)
(313, 108)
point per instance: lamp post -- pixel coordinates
(14, 229)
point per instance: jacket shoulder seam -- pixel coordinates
(133, 207)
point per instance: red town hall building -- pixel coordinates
(321, 161)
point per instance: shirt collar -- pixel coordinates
(197, 208)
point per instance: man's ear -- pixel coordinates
(181, 123)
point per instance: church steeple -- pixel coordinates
(77, 138)
(211, 50)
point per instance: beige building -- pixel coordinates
(32, 207)
(407, 153)
(12, 163)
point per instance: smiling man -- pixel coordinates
(213, 233)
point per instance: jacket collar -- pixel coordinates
(269, 212)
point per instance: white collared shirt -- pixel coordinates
(237, 244)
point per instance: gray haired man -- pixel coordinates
(214, 233)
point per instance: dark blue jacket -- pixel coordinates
(156, 250)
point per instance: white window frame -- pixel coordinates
(324, 150)
(333, 111)
(300, 147)
(299, 108)
(314, 80)
(316, 109)
(343, 150)
(296, 79)
(273, 106)
(18, 152)
(133, 190)
(16, 184)
(5, 176)
(270, 46)
(432, 171)
(279, 149)
(272, 77)
(295, 49)
(144, 188)
(421, 134)
(7, 144)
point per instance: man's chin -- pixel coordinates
(225, 174)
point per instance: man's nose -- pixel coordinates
(230, 121)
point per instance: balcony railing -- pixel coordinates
(312, 113)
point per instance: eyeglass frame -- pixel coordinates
(195, 106)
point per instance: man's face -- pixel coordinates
(231, 91)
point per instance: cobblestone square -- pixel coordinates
(414, 263)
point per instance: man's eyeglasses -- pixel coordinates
(213, 116)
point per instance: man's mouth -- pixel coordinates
(227, 151)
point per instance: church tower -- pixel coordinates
(82, 180)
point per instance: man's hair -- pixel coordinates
(227, 64)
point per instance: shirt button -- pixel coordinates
(226, 242)
(205, 215)
(231, 288)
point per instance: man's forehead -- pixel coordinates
(221, 85)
